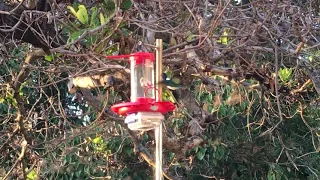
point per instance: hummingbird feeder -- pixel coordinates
(144, 111)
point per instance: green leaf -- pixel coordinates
(32, 175)
(78, 172)
(97, 140)
(223, 39)
(271, 175)
(94, 13)
(196, 149)
(191, 37)
(49, 58)
(168, 96)
(214, 162)
(128, 150)
(109, 5)
(2, 100)
(126, 5)
(220, 152)
(75, 35)
(124, 172)
(72, 10)
(82, 14)
(102, 19)
(209, 97)
(169, 74)
(201, 152)
(172, 42)
(176, 80)
(310, 58)
(14, 102)
(285, 74)
(171, 155)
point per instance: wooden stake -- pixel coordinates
(158, 95)
(159, 69)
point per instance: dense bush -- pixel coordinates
(251, 109)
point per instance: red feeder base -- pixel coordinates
(143, 105)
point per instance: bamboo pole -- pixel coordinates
(158, 95)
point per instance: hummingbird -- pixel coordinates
(168, 83)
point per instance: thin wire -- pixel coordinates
(152, 87)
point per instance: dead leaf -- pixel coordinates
(235, 98)
(205, 107)
(217, 101)
(194, 127)
(193, 142)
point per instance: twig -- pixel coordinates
(287, 152)
(14, 27)
(302, 87)
(277, 80)
(22, 76)
(21, 156)
(277, 92)
(277, 160)
(84, 34)
(4, 145)
(13, 10)
(141, 150)
(208, 177)
(108, 37)
(179, 46)
(308, 126)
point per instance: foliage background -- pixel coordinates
(251, 110)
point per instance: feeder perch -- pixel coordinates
(143, 112)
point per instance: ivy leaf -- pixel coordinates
(126, 5)
(201, 152)
(220, 152)
(128, 150)
(171, 155)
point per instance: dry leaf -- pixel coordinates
(194, 127)
(191, 143)
(205, 107)
(217, 101)
(235, 98)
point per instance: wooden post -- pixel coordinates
(159, 69)
(158, 95)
